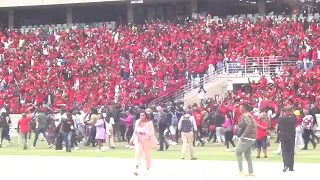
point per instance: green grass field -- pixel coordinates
(209, 152)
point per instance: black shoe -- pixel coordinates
(304, 149)
(167, 146)
(291, 169)
(25, 148)
(258, 157)
(182, 158)
(194, 158)
(314, 145)
(285, 169)
(160, 150)
(202, 143)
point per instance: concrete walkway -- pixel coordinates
(84, 168)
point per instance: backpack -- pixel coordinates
(186, 124)
(174, 119)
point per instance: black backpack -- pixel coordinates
(186, 124)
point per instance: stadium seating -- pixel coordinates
(131, 65)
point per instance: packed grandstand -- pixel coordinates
(133, 65)
(117, 69)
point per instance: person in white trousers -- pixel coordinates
(299, 138)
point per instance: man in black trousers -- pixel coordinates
(162, 122)
(287, 131)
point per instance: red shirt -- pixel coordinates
(198, 118)
(24, 124)
(262, 132)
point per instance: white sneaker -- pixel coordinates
(32, 147)
(197, 143)
(131, 147)
(147, 172)
(173, 143)
(76, 148)
(276, 152)
(127, 146)
(227, 150)
(234, 149)
(98, 150)
(49, 146)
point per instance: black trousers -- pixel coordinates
(229, 139)
(287, 148)
(162, 139)
(307, 137)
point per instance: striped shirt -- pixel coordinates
(307, 122)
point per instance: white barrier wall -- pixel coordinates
(14, 119)
(20, 3)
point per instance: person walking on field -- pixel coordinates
(247, 131)
(287, 131)
(262, 133)
(23, 128)
(187, 126)
(41, 128)
(143, 139)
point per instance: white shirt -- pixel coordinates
(202, 94)
(3, 110)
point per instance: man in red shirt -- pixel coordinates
(262, 131)
(23, 127)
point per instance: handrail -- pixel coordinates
(266, 66)
(187, 88)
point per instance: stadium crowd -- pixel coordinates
(119, 71)
(134, 64)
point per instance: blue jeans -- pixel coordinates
(38, 131)
(67, 139)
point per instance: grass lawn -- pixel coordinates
(209, 152)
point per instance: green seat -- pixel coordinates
(294, 16)
(95, 25)
(310, 17)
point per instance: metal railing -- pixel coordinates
(250, 67)
(178, 95)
